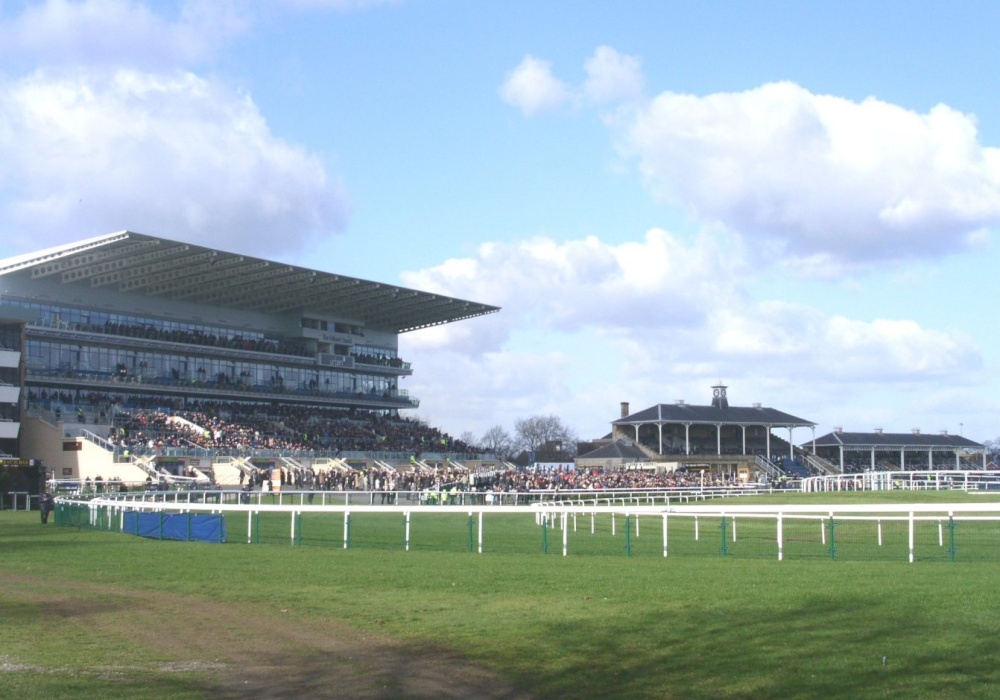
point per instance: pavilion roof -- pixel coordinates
(731, 415)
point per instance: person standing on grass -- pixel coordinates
(46, 504)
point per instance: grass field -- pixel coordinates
(92, 614)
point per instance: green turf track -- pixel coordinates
(604, 622)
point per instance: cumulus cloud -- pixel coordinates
(824, 183)
(612, 76)
(586, 324)
(170, 154)
(109, 32)
(824, 178)
(773, 335)
(679, 308)
(533, 89)
(565, 286)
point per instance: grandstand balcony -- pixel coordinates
(69, 379)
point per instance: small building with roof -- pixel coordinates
(615, 455)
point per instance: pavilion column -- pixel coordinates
(718, 439)
(791, 445)
(637, 433)
(659, 426)
(768, 429)
(841, 448)
(873, 459)
(958, 461)
(902, 459)
(687, 438)
(744, 429)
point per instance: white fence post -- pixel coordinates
(664, 535)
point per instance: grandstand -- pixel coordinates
(738, 441)
(137, 358)
(722, 439)
(857, 452)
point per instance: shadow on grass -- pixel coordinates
(817, 647)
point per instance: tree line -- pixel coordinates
(530, 435)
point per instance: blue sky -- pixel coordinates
(798, 199)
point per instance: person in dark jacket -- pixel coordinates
(46, 504)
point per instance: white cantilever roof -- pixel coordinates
(139, 264)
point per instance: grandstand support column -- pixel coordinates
(744, 429)
(873, 458)
(768, 438)
(791, 442)
(659, 429)
(902, 460)
(718, 438)
(687, 438)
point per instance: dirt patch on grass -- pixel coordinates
(243, 652)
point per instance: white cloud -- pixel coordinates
(170, 154)
(612, 76)
(110, 32)
(818, 176)
(585, 325)
(532, 88)
(823, 183)
(659, 281)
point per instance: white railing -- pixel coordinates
(108, 512)
(937, 480)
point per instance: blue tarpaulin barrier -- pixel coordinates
(176, 526)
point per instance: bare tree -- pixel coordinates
(498, 441)
(469, 438)
(992, 449)
(535, 432)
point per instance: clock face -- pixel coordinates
(717, 392)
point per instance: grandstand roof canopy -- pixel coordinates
(895, 441)
(141, 264)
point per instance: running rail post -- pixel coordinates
(951, 535)
(664, 535)
(911, 537)
(565, 535)
(470, 523)
(781, 532)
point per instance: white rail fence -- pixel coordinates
(868, 530)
